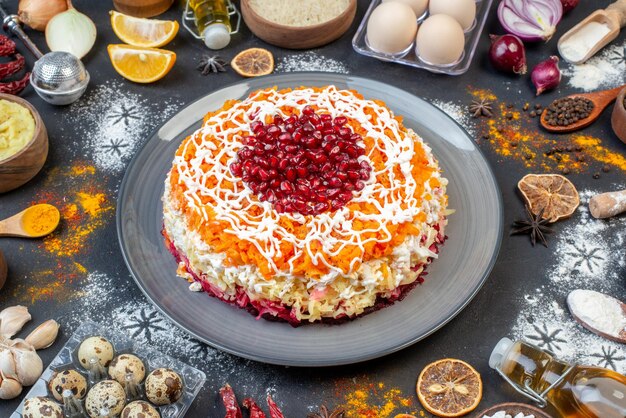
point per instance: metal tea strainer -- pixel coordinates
(59, 78)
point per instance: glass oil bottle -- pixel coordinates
(574, 391)
(212, 21)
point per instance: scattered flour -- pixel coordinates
(459, 113)
(110, 123)
(606, 70)
(589, 254)
(310, 61)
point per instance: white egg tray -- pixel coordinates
(472, 36)
(193, 379)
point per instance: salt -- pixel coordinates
(503, 414)
(580, 43)
(598, 310)
(605, 70)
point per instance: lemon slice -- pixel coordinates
(253, 62)
(141, 65)
(149, 33)
(553, 194)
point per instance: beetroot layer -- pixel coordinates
(273, 311)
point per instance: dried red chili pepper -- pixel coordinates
(255, 410)
(14, 87)
(7, 46)
(230, 402)
(11, 67)
(275, 412)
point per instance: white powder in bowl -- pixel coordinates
(299, 12)
(503, 414)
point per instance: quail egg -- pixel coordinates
(98, 347)
(164, 386)
(440, 40)
(41, 407)
(125, 364)
(418, 6)
(391, 28)
(67, 379)
(464, 11)
(140, 409)
(105, 394)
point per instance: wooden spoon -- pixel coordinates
(578, 312)
(4, 270)
(601, 99)
(14, 226)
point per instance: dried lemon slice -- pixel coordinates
(553, 193)
(253, 62)
(449, 388)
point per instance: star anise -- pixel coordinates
(211, 64)
(534, 225)
(481, 108)
(324, 413)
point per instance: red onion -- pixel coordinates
(546, 75)
(531, 20)
(507, 54)
(569, 5)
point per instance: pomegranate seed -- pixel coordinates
(353, 175)
(320, 158)
(316, 182)
(340, 120)
(285, 138)
(308, 110)
(320, 207)
(263, 186)
(236, 169)
(280, 207)
(297, 136)
(335, 182)
(365, 174)
(359, 185)
(256, 126)
(352, 151)
(259, 151)
(332, 192)
(255, 171)
(275, 184)
(273, 174)
(278, 120)
(273, 161)
(344, 133)
(286, 186)
(282, 164)
(342, 176)
(308, 128)
(310, 142)
(349, 186)
(291, 148)
(290, 174)
(334, 151)
(302, 172)
(291, 120)
(264, 175)
(273, 131)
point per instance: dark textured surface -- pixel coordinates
(470, 336)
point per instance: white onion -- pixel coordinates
(71, 31)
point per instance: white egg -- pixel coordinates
(391, 27)
(464, 11)
(418, 6)
(440, 40)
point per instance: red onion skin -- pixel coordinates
(569, 5)
(507, 54)
(546, 75)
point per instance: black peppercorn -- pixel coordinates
(596, 175)
(565, 111)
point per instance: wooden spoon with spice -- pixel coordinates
(600, 99)
(34, 222)
(599, 313)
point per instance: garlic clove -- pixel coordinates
(44, 335)
(28, 364)
(12, 320)
(9, 387)
(7, 363)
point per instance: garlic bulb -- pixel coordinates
(37, 13)
(44, 335)
(71, 31)
(7, 363)
(12, 320)
(9, 387)
(28, 364)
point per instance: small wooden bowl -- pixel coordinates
(514, 408)
(142, 8)
(298, 37)
(618, 119)
(23, 166)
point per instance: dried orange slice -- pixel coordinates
(149, 33)
(253, 62)
(449, 388)
(139, 64)
(553, 193)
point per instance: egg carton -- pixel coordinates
(409, 57)
(193, 379)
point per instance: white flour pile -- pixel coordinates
(110, 123)
(588, 254)
(459, 113)
(310, 61)
(604, 71)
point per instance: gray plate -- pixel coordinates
(466, 259)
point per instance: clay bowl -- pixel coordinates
(142, 8)
(513, 408)
(23, 166)
(298, 37)
(618, 120)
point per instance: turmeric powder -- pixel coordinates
(40, 220)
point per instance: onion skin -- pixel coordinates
(569, 5)
(37, 13)
(530, 20)
(546, 75)
(507, 54)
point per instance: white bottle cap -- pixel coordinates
(499, 352)
(216, 36)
